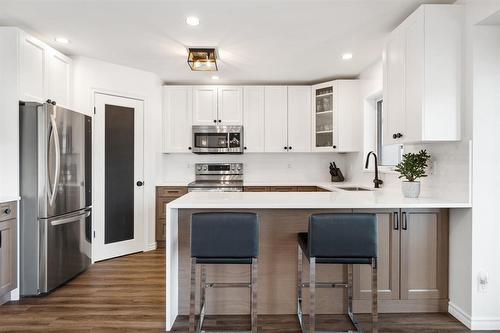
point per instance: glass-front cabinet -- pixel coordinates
(337, 116)
(323, 117)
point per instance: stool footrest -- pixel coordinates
(227, 285)
(327, 285)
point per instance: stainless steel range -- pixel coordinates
(217, 177)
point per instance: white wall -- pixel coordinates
(94, 75)
(9, 114)
(266, 168)
(486, 200)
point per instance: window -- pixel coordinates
(388, 155)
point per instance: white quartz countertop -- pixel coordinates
(4, 199)
(310, 200)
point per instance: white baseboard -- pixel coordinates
(459, 314)
(474, 323)
(485, 323)
(150, 247)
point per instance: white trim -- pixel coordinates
(485, 323)
(459, 314)
(150, 247)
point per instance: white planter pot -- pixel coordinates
(410, 189)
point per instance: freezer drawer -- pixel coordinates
(64, 249)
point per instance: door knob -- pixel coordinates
(140, 183)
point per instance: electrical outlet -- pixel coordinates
(482, 280)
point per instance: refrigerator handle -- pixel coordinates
(52, 193)
(70, 219)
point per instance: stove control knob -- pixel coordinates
(198, 168)
(205, 168)
(239, 168)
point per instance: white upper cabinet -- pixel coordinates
(32, 68)
(253, 119)
(177, 121)
(394, 117)
(230, 105)
(299, 119)
(217, 105)
(44, 72)
(59, 78)
(204, 105)
(337, 116)
(422, 76)
(276, 122)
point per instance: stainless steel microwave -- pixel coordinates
(217, 139)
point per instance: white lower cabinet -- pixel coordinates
(253, 119)
(177, 120)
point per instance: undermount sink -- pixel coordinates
(353, 188)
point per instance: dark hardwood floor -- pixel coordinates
(127, 294)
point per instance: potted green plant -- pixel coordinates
(412, 168)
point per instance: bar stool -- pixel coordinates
(337, 239)
(223, 238)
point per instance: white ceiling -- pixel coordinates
(259, 41)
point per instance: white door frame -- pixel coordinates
(99, 251)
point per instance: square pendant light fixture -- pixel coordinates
(202, 59)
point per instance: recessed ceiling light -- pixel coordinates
(62, 40)
(192, 20)
(215, 77)
(347, 56)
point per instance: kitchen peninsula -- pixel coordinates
(413, 251)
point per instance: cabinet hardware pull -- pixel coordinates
(0, 239)
(189, 148)
(334, 147)
(220, 121)
(290, 148)
(394, 136)
(399, 135)
(286, 148)
(215, 121)
(404, 221)
(396, 220)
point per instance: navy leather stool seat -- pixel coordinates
(223, 238)
(337, 239)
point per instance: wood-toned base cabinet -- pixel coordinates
(412, 262)
(165, 194)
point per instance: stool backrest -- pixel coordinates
(224, 235)
(343, 235)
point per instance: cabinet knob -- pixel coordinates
(286, 148)
(139, 183)
(245, 148)
(399, 135)
(7, 211)
(220, 121)
(215, 121)
(394, 136)
(334, 147)
(290, 148)
(189, 148)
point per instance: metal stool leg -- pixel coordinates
(203, 282)
(253, 291)
(374, 296)
(312, 295)
(299, 288)
(350, 297)
(192, 318)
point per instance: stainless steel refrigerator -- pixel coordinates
(56, 220)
